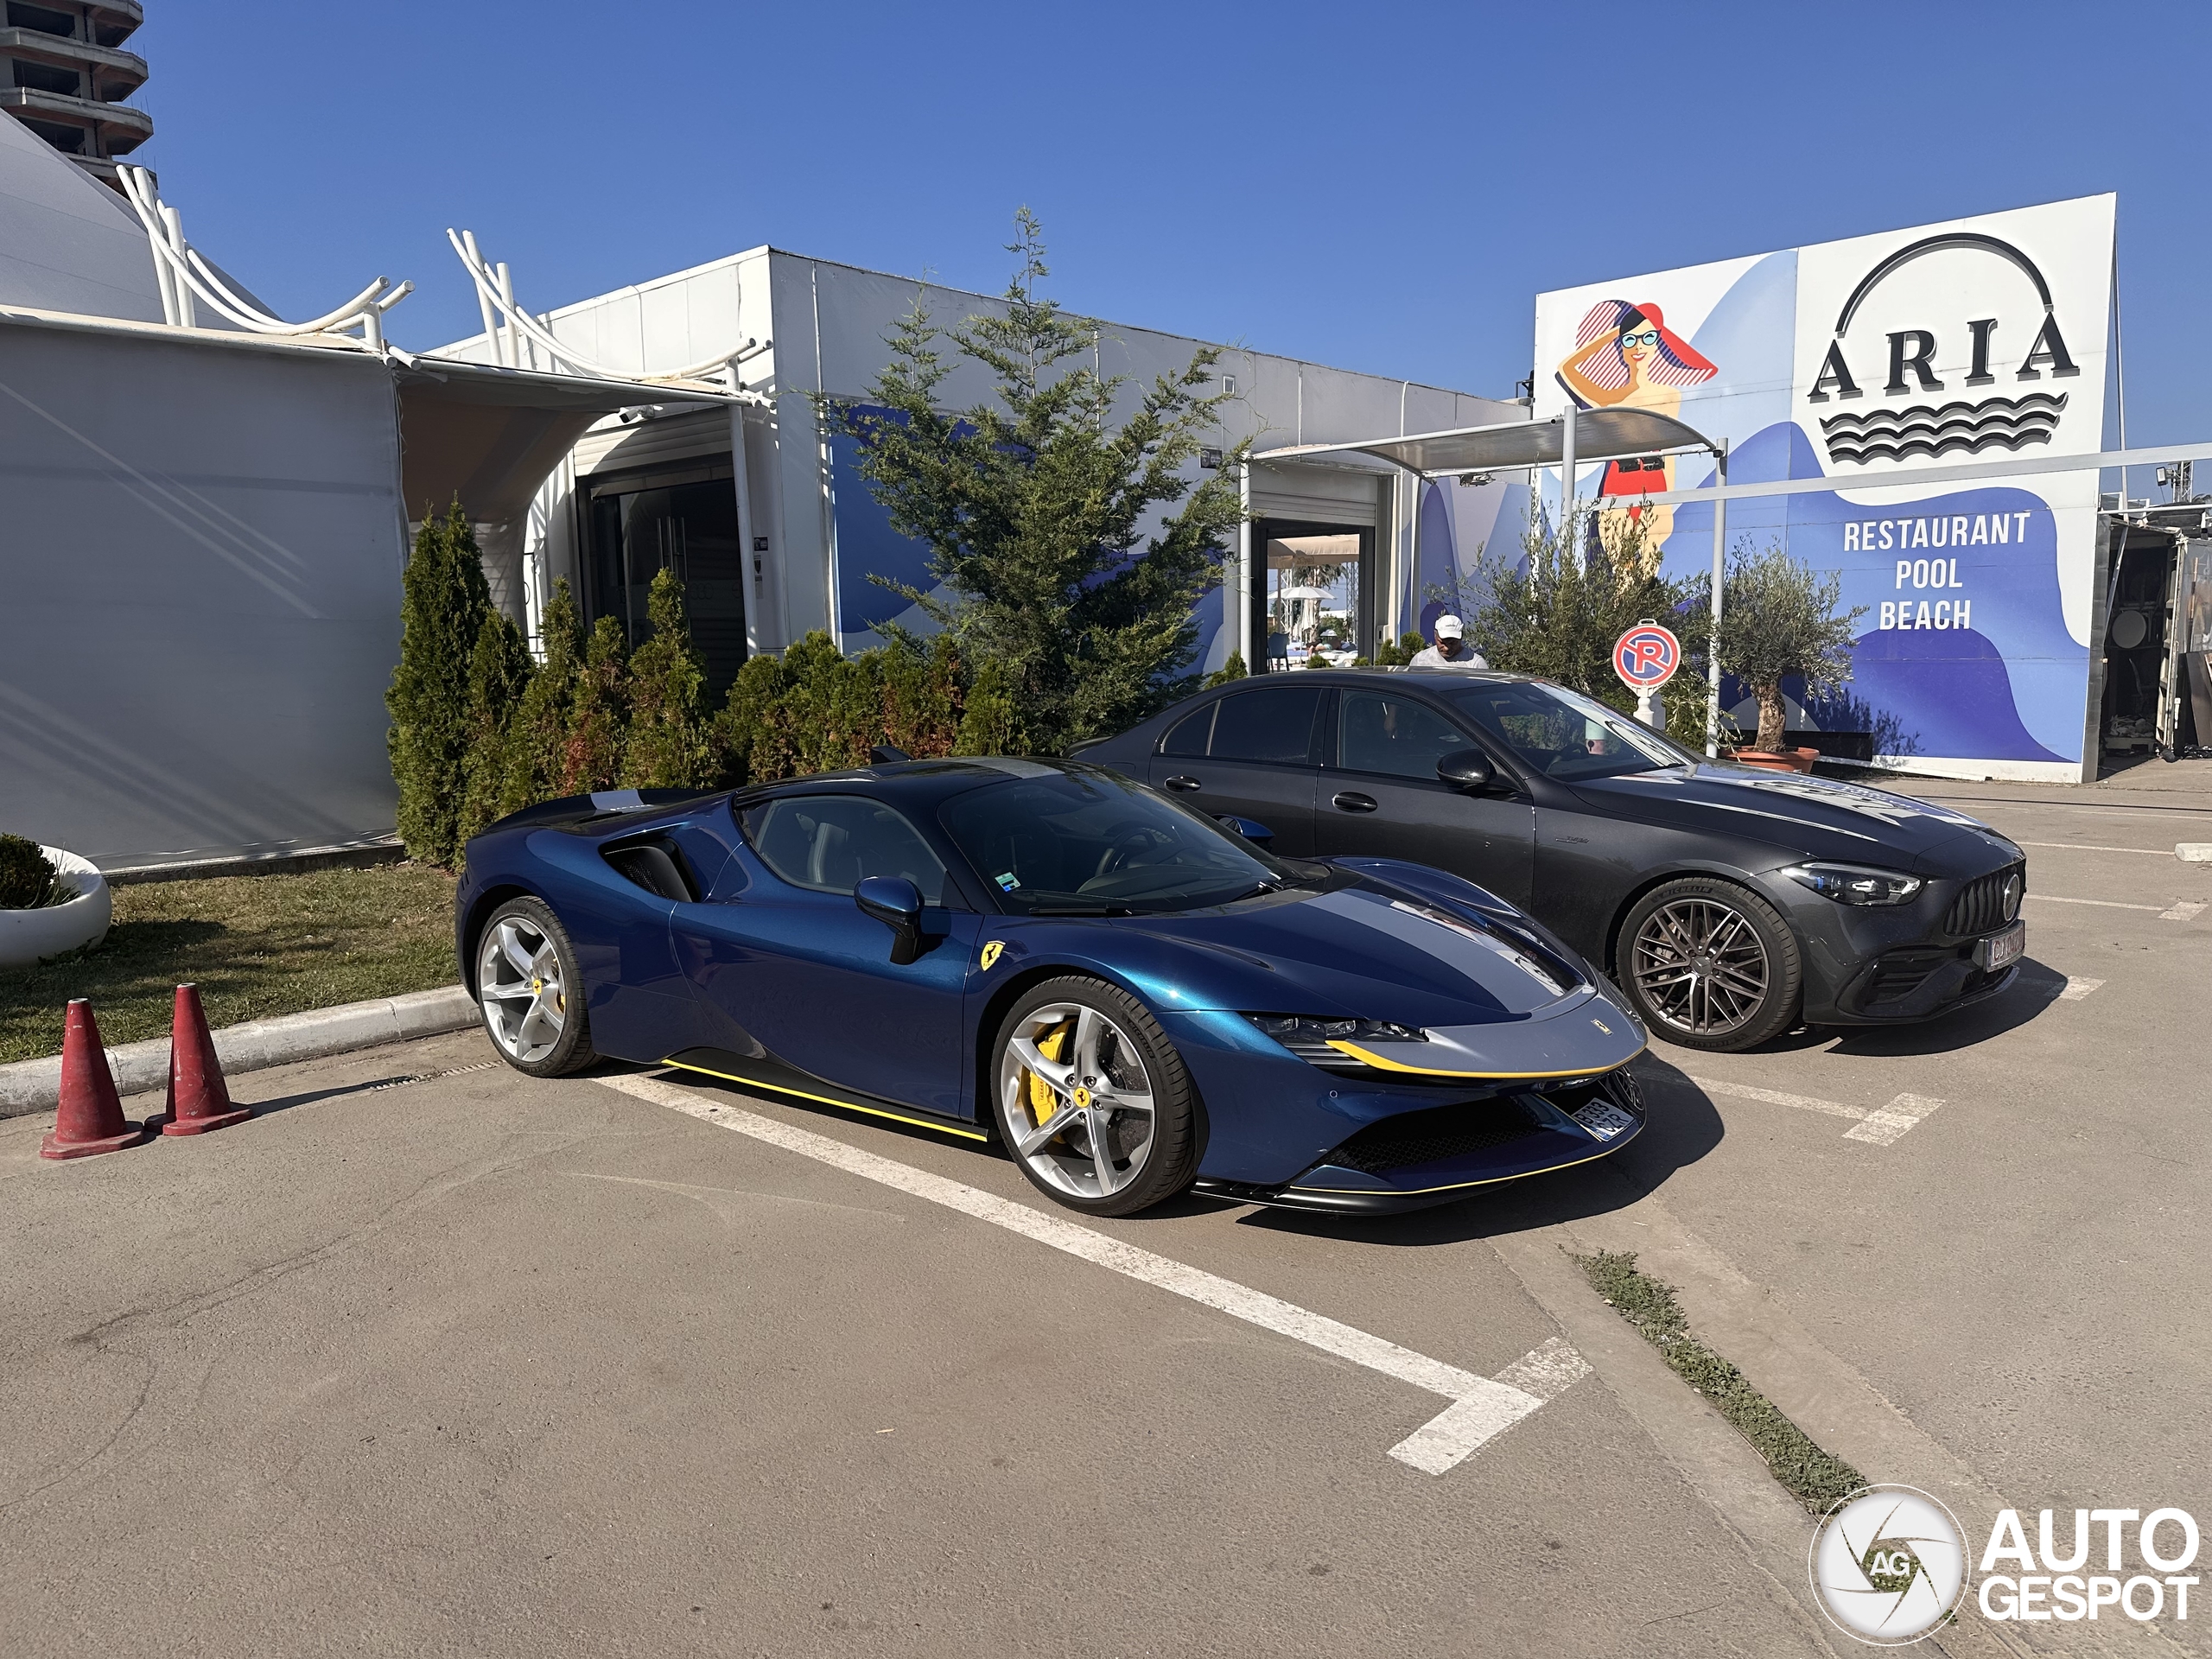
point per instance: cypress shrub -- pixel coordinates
(593, 757)
(752, 746)
(1231, 670)
(922, 696)
(537, 744)
(443, 608)
(669, 745)
(990, 724)
(499, 677)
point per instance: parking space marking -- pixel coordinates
(1483, 1408)
(1882, 1125)
(2077, 988)
(2102, 903)
(2085, 847)
(2183, 910)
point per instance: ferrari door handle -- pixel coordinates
(1182, 783)
(1349, 802)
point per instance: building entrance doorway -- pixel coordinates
(1314, 594)
(686, 521)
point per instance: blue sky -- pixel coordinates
(1377, 187)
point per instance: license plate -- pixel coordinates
(1603, 1119)
(2002, 950)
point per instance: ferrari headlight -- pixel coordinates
(1856, 884)
(1308, 1037)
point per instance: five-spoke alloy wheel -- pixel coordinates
(1092, 1099)
(527, 985)
(1710, 964)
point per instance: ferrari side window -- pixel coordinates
(832, 843)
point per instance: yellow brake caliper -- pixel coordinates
(1043, 1103)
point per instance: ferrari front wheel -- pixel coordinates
(529, 992)
(1092, 1100)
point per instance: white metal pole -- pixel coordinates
(756, 561)
(1712, 645)
(173, 223)
(483, 300)
(1241, 633)
(1567, 472)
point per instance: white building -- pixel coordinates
(787, 543)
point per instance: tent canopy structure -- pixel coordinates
(1593, 434)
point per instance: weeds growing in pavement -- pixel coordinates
(1812, 1476)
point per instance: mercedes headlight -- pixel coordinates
(1856, 884)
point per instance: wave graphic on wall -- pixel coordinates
(1930, 429)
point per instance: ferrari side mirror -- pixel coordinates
(1467, 769)
(897, 903)
(1251, 828)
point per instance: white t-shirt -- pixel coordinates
(1431, 658)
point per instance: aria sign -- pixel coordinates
(1929, 429)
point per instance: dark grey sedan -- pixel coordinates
(1730, 903)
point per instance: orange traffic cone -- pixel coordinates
(91, 1118)
(199, 1098)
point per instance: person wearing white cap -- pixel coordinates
(1451, 649)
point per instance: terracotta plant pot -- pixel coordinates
(1787, 761)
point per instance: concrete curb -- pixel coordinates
(35, 1085)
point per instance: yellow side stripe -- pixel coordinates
(842, 1105)
(1382, 1063)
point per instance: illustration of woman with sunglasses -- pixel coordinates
(1625, 354)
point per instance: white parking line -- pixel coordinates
(2085, 847)
(2077, 988)
(1882, 1125)
(1483, 1408)
(2183, 910)
(2102, 903)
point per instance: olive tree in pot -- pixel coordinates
(1779, 619)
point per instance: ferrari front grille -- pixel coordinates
(1435, 1134)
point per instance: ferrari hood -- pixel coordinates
(1496, 996)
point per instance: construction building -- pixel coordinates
(68, 78)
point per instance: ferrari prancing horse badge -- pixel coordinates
(991, 952)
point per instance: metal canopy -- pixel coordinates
(1599, 435)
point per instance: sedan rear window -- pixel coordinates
(1274, 723)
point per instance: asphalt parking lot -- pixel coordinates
(433, 1358)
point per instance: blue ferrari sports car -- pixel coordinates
(1129, 997)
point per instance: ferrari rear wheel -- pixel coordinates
(1709, 964)
(529, 992)
(1092, 1100)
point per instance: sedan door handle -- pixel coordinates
(1181, 783)
(1349, 802)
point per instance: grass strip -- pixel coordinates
(257, 946)
(1810, 1475)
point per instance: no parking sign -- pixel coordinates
(1646, 656)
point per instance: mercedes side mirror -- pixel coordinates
(1251, 828)
(897, 903)
(1467, 769)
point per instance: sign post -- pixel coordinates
(1646, 657)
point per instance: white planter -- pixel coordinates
(27, 936)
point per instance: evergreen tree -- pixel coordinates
(537, 745)
(498, 676)
(669, 745)
(748, 730)
(443, 605)
(1074, 547)
(1231, 670)
(922, 696)
(593, 757)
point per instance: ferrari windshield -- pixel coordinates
(1090, 843)
(1562, 734)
